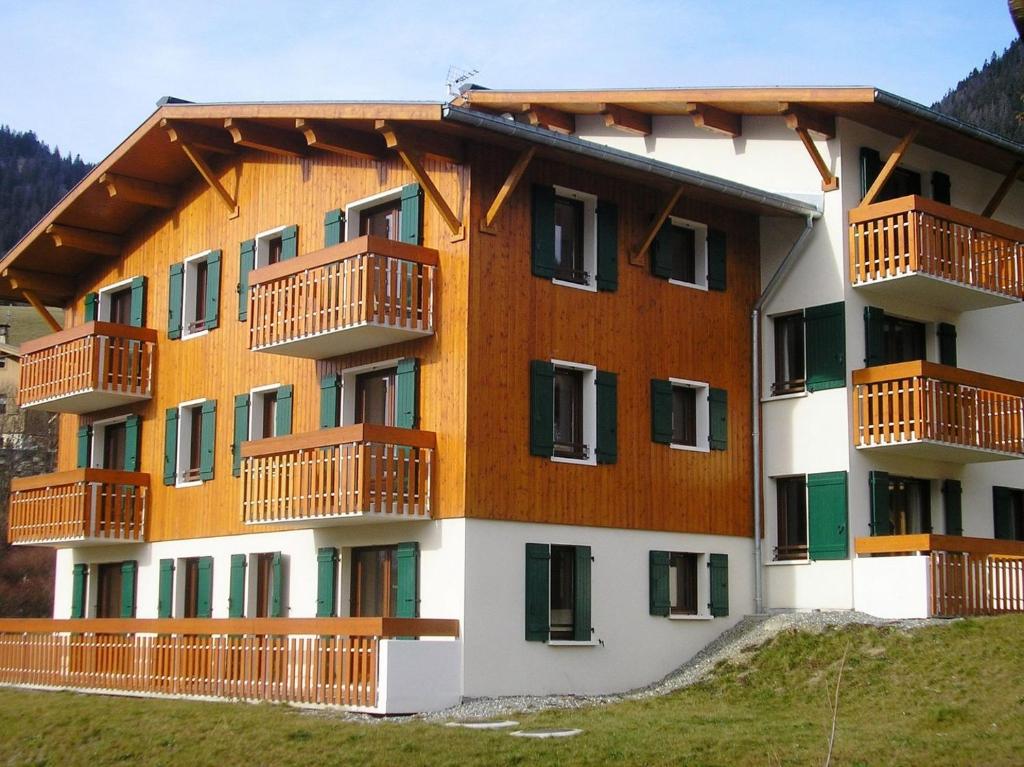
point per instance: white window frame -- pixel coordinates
(353, 210)
(589, 237)
(703, 589)
(256, 403)
(189, 288)
(103, 298)
(184, 441)
(769, 354)
(261, 254)
(99, 429)
(703, 414)
(700, 253)
(348, 387)
(589, 412)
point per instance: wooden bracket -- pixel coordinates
(626, 120)
(343, 141)
(33, 299)
(198, 136)
(140, 191)
(552, 119)
(46, 283)
(715, 119)
(637, 258)
(798, 116)
(265, 138)
(426, 143)
(889, 167)
(210, 178)
(511, 182)
(413, 159)
(829, 181)
(1003, 190)
(101, 243)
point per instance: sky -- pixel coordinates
(83, 75)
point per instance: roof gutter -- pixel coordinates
(675, 173)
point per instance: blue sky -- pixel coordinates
(82, 75)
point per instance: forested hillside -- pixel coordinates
(991, 97)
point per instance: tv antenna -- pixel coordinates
(456, 77)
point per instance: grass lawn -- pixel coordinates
(944, 695)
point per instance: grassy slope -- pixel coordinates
(946, 695)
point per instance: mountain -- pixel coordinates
(992, 97)
(33, 178)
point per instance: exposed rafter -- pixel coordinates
(140, 191)
(552, 119)
(33, 299)
(211, 178)
(101, 243)
(626, 120)
(199, 136)
(1002, 190)
(265, 138)
(890, 166)
(637, 258)
(715, 119)
(344, 141)
(47, 283)
(798, 116)
(511, 182)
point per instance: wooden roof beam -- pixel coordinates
(1003, 190)
(427, 143)
(511, 182)
(101, 243)
(46, 283)
(552, 119)
(265, 138)
(192, 153)
(139, 191)
(890, 166)
(798, 116)
(637, 258)
(626, 120)
(330, 137)
(198, 136)
(715, 119)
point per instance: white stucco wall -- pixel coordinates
(420, 675)
(826, 585)
(891, 587)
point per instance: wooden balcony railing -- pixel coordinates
(913, 234)
(327, 661)
(356, 295)
(967, 576)
(87, 368)
(334, 473)
(84, 505)
(925, 402)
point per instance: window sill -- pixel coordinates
(691, 617)
(571, 643)
(683, 284)
(690, 448)
(190, 483)
(785, 562)
(590, 287)
(577, 461)
(197, 334)
(791, 395)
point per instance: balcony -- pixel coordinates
(930, 411)
(349, 662)
(91, 367)
(938, 576)
(361, 294)
(917, 249)
(365, 472)
(78, 508)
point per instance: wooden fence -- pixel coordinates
(976, 584)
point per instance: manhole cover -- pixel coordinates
(551, 732)
(504, 725)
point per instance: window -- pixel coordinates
(568, 417)
(558, 593)
(382, 220)
(791, 515)
(194, 295)
(570, 263)
(573, 412)
(189, 443)
(264, 584)
(1008, 508)
(265, 411)
(789, 354)
(120, 308)
(275, 245)
(575, 238)
(901, 183)
(384, 393)
(375, 397)
(684, 415)
(195, 585)
(190, 567)
(889, 339)
(123, 303)
(689, 584)
(394, 215)
(682, 583)
(108, 591)
(688, 415)
(384, 581)
(679, 253)
(110, 444)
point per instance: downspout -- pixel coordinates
(755, 396)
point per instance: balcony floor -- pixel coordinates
(932, 450)
(934, 291)
(356, 518)
(87, 401)
(350, 339)
(69, 543)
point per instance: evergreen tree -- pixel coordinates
(992, 97)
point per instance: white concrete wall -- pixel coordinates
(420, 675)
(826, 585)
(891, 587)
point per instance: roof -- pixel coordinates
(95, 217)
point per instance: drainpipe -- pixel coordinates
(755, 396)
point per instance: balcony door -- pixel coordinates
(114, 445)
(374, 581)
(121, 306)
(376, 397)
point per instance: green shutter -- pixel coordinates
(131, 443)
(658, 593)
(283, 423)
(170, 445)
(825, 340)
(870, 167)
(84, 446)
(175, 291)
(538, 614)
(940, 187)
(827, 515)
(165, 603)
(718, 575)
(204, 588)
(952, 492)
(718, 415)
(326, 581)
(212, 290)
(878, 484)
(246, 263)
(408, 562)
(581, 628)
(138, 308)
(542, 261)
(241, 432)
(276, 585)
(330, 389)
(411, 223)
(716, 260)
(661, 411)
(207, 440)
(406, 415)
(607, 418)
(542, 408)
(92, 301)
(660, 253)
(79, 575)
(334, 227)
(607, 245)
(1002, 509)
(874, 336)
(236, 595)
(128, 579)
(289, 242)
(947, 343)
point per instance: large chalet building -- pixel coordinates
(383, 405)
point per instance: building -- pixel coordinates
(382, 405)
